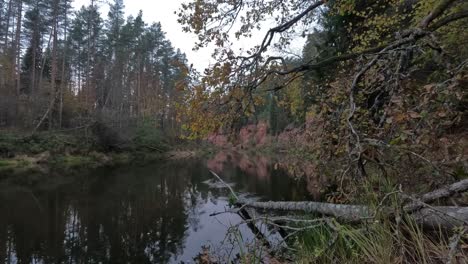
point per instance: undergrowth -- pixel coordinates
(383, 239)
(378, 242)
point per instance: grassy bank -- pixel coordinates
(380, 242)
(48, 152)
(383, 239)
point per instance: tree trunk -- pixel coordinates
(53, 75)
(444, 216)
(17, 57)
(7, 27)
(33, 72)
(93, 56)
(444, 192)
(62, 78)
(44, 60)
(88, 66)
(430, 216)
(344, 212)
(2, 3)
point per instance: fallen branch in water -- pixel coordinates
(246, 216)
(431, 216)
(343, 212)
(444, 216)
(225, 184)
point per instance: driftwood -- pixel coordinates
(427, 215)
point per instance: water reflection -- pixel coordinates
(155, 214)
(274, 177)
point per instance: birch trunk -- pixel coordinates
(344, 212)
(430, 216)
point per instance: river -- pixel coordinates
(158, 213)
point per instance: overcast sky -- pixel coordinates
(163, 11)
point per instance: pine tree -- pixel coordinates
(114, 53)
(119, 68)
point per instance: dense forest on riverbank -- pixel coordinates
(375, 102)
(77, 81)
(63, 69)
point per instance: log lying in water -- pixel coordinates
(344, 212)
(430, 216)
(434, 216)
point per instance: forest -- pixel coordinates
(63, 68)
(365, 126)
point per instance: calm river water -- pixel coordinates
(158, 213)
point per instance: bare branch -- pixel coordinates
(448, 19)
(227, 185)
(282, 28)
(435, 13)
(444, 192)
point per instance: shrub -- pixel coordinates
(147, 135)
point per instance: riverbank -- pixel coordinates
(46, 162)
(313, 239)
(27, 159)
(49, 160)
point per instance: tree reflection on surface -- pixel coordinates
(154, 214)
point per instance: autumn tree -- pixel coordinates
(65, 68)
(354, 79)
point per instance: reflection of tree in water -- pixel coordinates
(198, 194)
(136, 215)
(277, 179)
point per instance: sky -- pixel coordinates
(163, 11)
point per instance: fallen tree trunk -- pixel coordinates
(344, 212)
(429, 216)
(434, 216)
(443, 192)
(446, 217)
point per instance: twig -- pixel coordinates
(380, 205)
(379, 143)
(227, 185)
(229, 211)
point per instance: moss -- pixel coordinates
(71, 162)
(120, 158)
(8, 165)
(17, 166)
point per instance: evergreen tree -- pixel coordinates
(118, 69)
